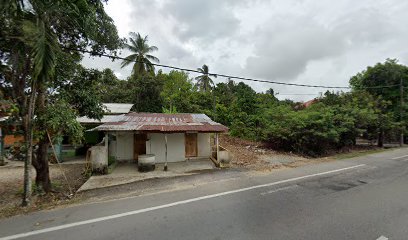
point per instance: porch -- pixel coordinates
(127, 172)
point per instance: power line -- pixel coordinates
(223, 75)
(298, 94)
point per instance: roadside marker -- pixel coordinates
(120, 215)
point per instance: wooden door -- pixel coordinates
(139, 145)
(191, 144)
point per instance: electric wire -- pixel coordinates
(93, 54)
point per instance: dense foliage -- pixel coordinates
(334, 121)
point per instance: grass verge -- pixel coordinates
(360, 153)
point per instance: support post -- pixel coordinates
(107, 147)
(217, 144)
(106, 140)
(2, 162)
(165, 156)
(402, 112)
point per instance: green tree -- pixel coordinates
(141, 55)
(204, 81)
(384, 80)
(34, 34)
(177, 91)
(145, 94)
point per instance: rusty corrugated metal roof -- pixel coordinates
(163, 122)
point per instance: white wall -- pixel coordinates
(204, 146)
(124, 146)
(156, 145)
(175, 147)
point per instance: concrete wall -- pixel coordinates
(156, 145)
(204, 147)
(175, 147)
(99, 159)
(124, 146)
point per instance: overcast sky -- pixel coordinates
(321, 42)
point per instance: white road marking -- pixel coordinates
(399, 157)
(382, 238)
(278, 190)
(120, 215)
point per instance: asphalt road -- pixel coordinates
(362, 198)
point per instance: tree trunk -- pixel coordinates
(28, 125)
(380, 142)
(42, 178)
(40, 163)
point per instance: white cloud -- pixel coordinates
(299, 41)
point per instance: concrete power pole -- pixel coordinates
(402, 112)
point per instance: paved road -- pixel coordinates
(362, 198)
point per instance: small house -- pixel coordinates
(169, 137)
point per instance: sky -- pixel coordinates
(321, 42)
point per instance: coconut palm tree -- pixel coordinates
(204, 82)
(140, 55)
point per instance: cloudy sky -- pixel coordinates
(321, 42)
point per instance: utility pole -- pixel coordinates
(402, 112)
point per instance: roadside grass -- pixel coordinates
(68, 154)
(360, 153)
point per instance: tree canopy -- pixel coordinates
(141, 57)
(40, 50)
(204, 81)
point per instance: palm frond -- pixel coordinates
(44, 46)
(152, 58)
(152, 48)
(205, 69)
(140, 49)
(128, 60)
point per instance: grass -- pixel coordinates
(111, 167)
(68, 154)
(359, 153)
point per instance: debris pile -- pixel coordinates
(244, 152)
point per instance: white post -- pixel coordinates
(116, 143)
(165, 156)
(217, 144)
(106, 139)
(107, 146)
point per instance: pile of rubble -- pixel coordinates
(257, 156)
(244, 152)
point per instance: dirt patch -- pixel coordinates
(11, 188)
(258, 156)
(255, 155)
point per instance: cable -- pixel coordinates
(222, 75)
(298, 94)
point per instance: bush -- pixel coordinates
(312, 131)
